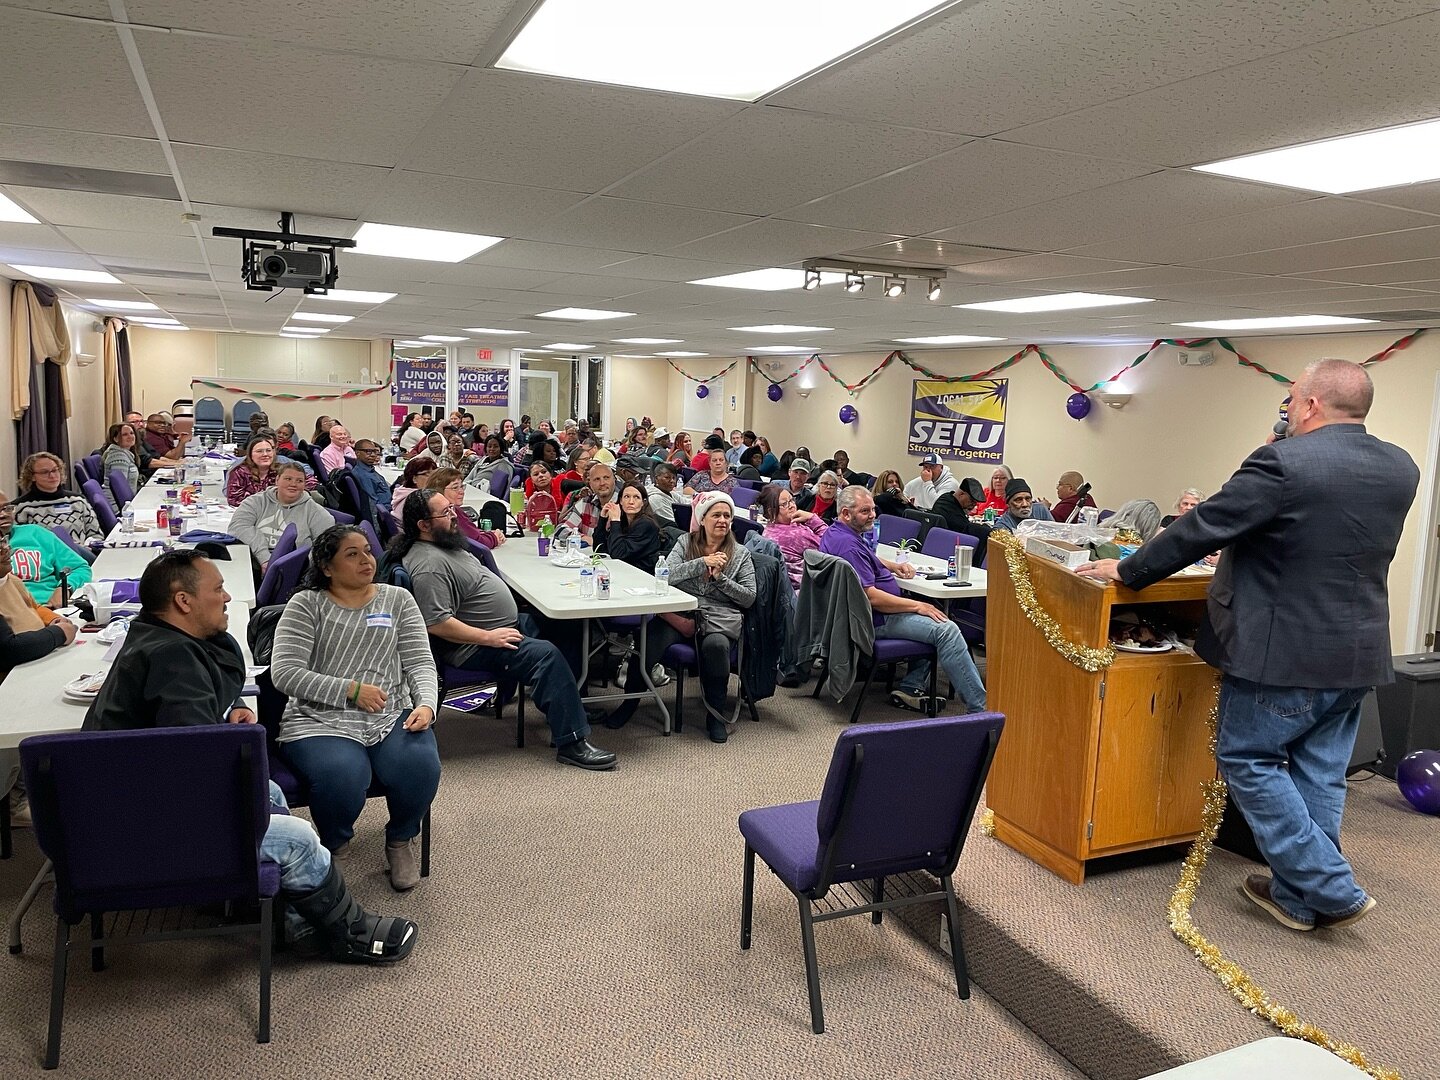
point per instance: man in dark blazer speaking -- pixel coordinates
(1298, 620)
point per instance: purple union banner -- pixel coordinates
(958, 420)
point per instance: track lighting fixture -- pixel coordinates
(894, 287)
(854, 281)
(933, 293)
(812, 280)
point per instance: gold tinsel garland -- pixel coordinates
(1082, 656)
(1231, 975)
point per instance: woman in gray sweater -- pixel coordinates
(720, 574)
(354, 658)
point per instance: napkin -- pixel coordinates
(203, 536)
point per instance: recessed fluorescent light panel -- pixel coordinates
(416, 344)
(741, 49)
(492, 330)
(356, 296)
(10, 211)
(141, 320)
(781, 328)
(647, 340)
(439, 337)
(584, 314)
(320, 316)
(65, 273)
(124, 305)
(157, 326)
(629, 356)
(772, 279)
(681, 354)
(403, 242)
(305, 331)
(946, 339)
(566, 346)
(1277, 322)
(783, 348)
(1069, 301)
(1371, 159)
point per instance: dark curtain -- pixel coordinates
(44, 426)
(122, 347)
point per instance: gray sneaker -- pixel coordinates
(659, 676)
(905, 699)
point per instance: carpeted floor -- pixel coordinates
(1096, 971)
(575, 925)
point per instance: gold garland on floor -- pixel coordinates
(1231, 975)
(1082, 656)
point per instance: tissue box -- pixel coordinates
(1063, 552)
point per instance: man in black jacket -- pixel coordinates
(1298, 620)
(178, 667)
(956, 506)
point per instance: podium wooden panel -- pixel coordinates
(1093, 764)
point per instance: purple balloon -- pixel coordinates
(849, 414)
(1419, 780)
(775, 392)
(702, 391)
(1078, 406)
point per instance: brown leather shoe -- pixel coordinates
(1257, 890)
(1334, 922)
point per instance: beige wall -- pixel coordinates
(1185, 426)
(9, 467)
(638, 388)
(162, 363)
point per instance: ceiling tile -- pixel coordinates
(978, 179)
(477, 206)
(490, 129)
(561, 258)
(1315, 92)
(339, 109)
(305, 186)
(772, 242)
(449, 30)
(1357, 251)
(105, 244)
(1383, 273)
(97, 95)
(82, 149)
(765, 159)
(631, 226)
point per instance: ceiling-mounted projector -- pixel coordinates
(271, 260)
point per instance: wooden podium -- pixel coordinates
(1094, 764)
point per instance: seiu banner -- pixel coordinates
(420, 382)
(959, 421)
(484, 386)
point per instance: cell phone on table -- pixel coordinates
(957, 584)
(936, 575)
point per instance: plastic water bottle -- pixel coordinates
(587, 582)
(127, 520)
(662, 577)
(602, 583)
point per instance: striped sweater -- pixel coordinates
(321, 648)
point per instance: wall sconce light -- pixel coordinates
(1115, 401)
(803, 391)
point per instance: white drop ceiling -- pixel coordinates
(1024, 148)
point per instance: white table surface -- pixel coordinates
(936, 590)
(555, 590)
(34, 704)
(121, 563)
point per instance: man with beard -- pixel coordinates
(478, 626)
(1020, 505)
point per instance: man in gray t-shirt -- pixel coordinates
(473, 616)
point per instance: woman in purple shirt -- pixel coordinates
(796, 531)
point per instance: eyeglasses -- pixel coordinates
(47, 472)
(367, 449)
(449, 511)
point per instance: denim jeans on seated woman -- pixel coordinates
(339, 771)
(1283, 751)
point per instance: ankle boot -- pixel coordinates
(351, 933)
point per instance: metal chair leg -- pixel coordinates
(97, 933)
(957, 947)
(820, 679)
(57, 992)
(876, 917)
(864, 689)
(520, 719)
(267, 941)
(679, 699)
(934, 682)
(425, 845)
(747, 898)
(812, 967)
(6, 837)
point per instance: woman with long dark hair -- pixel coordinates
(120, 454)
(354, 658)
(627, 529)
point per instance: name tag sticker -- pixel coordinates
(379, 618)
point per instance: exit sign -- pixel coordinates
(482, 354)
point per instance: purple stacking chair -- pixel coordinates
(940, 544)
(81, 475)
(926, 521)
(321, 472)
(897, 801)
(120, 488)
(881, 652)
(499, 486)
(285, 542)
(282, 577)
(91, 463)
(894, 529)
(104, 512)
(117, 849)
(684, 659)
(744, 497)
(372, 538)
(1106, 515)
(742, 527)
(63, 535)
(341, 518)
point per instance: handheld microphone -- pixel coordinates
(1080, 493)
(1281, 430)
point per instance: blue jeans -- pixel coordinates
(1283, 751)
(292, 844)
(339, 772)
(950, 646)
(542, 667)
